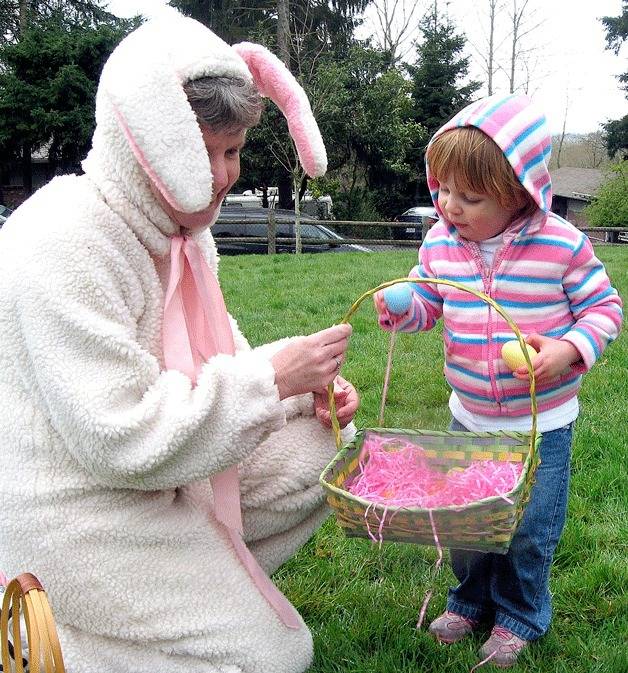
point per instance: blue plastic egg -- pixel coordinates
(398, 298)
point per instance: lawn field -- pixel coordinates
(362, 602)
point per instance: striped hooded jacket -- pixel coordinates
(546, 276)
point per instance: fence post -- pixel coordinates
(272, 232)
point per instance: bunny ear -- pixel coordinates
(275, 81)
(145, 95)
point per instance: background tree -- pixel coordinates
(616, 136)
(486, 53)
(395, 25)
(579, 150)
(35, 21)
(319, 31)
(368, 123)
(439, 86)
(616, 131)
(439, 73)
(18, 15)
(232, 20)
(616, 33)
(47, 90)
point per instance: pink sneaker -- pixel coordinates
(502, 648)
(451, 627)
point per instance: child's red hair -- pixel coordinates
(478, 165)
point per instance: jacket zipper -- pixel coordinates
(487, 281)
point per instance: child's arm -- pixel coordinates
(597, 309)
(594, 303)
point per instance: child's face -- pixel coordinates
(475, 216)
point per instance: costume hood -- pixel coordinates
(143, 117)
(519, 128)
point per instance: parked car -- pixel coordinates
(5, 211)
(416, 218)
(236, 221)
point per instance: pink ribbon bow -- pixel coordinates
(196, 327)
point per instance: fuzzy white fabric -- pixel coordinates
(105, 456)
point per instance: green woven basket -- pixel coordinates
(486, 525)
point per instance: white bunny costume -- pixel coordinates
(105, 453)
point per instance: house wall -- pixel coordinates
(571, 210)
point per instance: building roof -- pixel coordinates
(576, 183)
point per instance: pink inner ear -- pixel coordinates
(144, 163)
(275, 81)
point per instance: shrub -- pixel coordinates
(610, 205)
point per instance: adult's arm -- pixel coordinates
(129, 424)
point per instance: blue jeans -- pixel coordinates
(512, 589)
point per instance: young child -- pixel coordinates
(488, 175)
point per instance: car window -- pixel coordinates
(255, 229)
(226, 229)
(284, 230)
(312, 231)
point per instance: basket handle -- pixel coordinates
(460, 286)
(26, 594)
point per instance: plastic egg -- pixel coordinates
(398, 298)
(513, 355)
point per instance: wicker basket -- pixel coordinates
(486, 525)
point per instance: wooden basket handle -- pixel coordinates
(25, 595)
(480, 295)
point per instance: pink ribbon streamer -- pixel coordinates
(195, 328)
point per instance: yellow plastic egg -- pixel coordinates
(513, 355)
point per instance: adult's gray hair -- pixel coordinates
(224, 104)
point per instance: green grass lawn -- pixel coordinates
(362, 602)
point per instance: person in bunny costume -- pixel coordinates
(156, 468)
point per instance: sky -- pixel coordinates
(572, 74)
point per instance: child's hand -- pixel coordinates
(554, 358)
(390, 321)
(347, 402)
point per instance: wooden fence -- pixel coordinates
(606, 236)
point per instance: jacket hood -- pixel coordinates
(146, 128)
(519, 128)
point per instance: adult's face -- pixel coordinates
(223, 150)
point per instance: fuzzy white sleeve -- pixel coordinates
(298, 405)
(128, 423)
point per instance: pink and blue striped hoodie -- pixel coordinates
(546, 276)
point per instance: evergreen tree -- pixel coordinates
(48, 84)
(230, 20)
(616, 34)
(438, 86)
(16, 16)
(438, 89)
(616, 131)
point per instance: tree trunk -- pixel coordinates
(284, 189)
(23, 20)
(283, 31)
(513, 51)
(296, 180)
(562, 135)
(272, 232)
(491, 47)
(27, 170)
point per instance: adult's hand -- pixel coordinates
(347, 402)
(310, 363)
